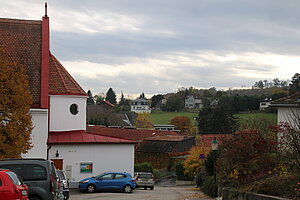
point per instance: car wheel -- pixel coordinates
(90, 188)
(127, 189)
(152, 188)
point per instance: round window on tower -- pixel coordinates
(74, 109)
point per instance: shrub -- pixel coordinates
(180, 172)
(283, 186)
(143, 167)
(209, 186)
(159, 173)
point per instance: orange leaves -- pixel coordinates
(143, 121)
(15, 102)
(183, 124)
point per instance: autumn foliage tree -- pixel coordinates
(15, 102)
(194, 164)
(246, 156)
(183, 124)
(143, 121)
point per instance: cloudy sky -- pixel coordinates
(158, 46)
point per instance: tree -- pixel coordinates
(143, 121)
(217, 120)
(156, 99)
(193, 164)
(246, 156)
(142, 96)
(99, 98)
(15, 103)
(183, 124)
(111, 96)
(174, 103)
(90, 99)
(295, 84)
(124, 104)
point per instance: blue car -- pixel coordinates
(108, 181)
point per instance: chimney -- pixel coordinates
(45, 61)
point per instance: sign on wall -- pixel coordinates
(86, 167)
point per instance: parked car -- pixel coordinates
(38, 174)
(108, 181)
(12, 186)
(65, 183)
(145, 180)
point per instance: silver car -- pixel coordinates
(145, 180)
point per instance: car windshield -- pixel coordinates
(14, 178)
(61, 175)
(98, 176)
(148, 176)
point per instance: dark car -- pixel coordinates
(145, 180)
(65, 183)
(12, 186)
(38, 174)
(108, 181)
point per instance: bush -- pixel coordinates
(209, 186)
(283, 186)
(180, 172)
(159, 173)
(199, 179)
(143, 167)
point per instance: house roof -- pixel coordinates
(21, 41)
(60, 81)
(83, 137)
(167, 144)
(289, 101)
(132, 134)
(206, 140)
(108, 103)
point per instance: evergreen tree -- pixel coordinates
(295, 84)
(90, 99)
(111, 96)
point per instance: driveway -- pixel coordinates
(159, 193)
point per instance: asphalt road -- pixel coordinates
(164, 190)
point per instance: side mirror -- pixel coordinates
(99, 179)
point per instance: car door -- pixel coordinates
(1, 185)
(119, 181)
(105, 181)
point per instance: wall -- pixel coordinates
(105, 158)
(286, 114)
(39, 134)
(232, 194)
(61, 119)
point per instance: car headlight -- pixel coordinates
(86, 181)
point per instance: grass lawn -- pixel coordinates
(160, 117)
(272, 117)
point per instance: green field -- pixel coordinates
(165, 117)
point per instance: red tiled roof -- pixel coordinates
(21, 41)
(170, 138)
(60, 81)
(108, 103)
(205, 140)
(83, 137)
(131, 134)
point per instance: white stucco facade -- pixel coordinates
(39, 134)
(60, 116)
(104, 158)
(287, 114)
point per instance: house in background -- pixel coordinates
(59, 107)
(140, 105)
(264, 104)
(288, 108)
(193, 102)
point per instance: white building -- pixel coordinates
(140, 105)
(59, 108)
(193, 102)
